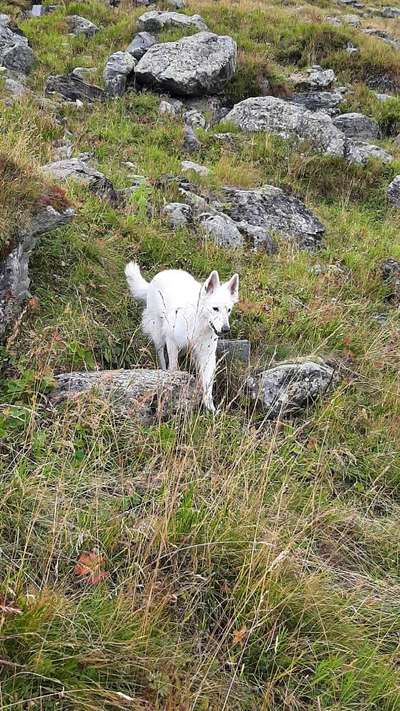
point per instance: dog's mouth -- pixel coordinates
(214, 329)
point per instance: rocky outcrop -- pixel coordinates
(81, 26)
(200, 64)
(156, 21)
(15, 53)
(266, 113)
(72, 88)
(276, 212)
(314, 78)
(357, 126)
(289, 387)
(145, 395)
(119, 69)
(141, 42)
(79, 169)
(14, 268)
(393, 191)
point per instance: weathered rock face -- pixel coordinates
(81, 26)
(80, 170)
(258, 238)
(319, 101)
(156, 21)
(15, 52)
(266, 113)
(14, 268)
(393, 191)
(313, 78)
(221, 229)
(357, 126)
(200, 64)
(71, 87)
(178, 214)
(119, 68)
(289, 387)
(275, 211)
(147, 395)
(360, 152)
(141, 42)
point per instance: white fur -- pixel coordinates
(183, 314)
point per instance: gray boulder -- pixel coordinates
(314, 78)
(72, 88)
(149, 396)
(266, 113)
(178, 214)
(5, 20)
(176, 4)
(14, 267)
(276, 212)
(393, 191)
(289, 387)
(81, 26)
(319, 101)
(200, 64)
(360, 152)
(195, 119)
(118, 70)
(157, 20)
(221, 229)
(15, 53)
(173, 107)
(80, 170)
(357, 126)
(141, 42)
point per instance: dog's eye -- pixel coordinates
(215, 308)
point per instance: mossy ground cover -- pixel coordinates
(249, 566)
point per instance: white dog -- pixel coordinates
(182, 314)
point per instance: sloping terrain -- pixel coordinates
(234, 562)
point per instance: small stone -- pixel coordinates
(361, 151)
(81, 26)
(314, 78)
(221, 229)
(258, 237)
(72, 88)
(188, 165)
(327, 101)
(229, 350)
(191, 143)
(195, 119)
(15, 53)
(157, 20)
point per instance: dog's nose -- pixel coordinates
(225, 329)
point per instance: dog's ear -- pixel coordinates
(211, 283)
(233, 286)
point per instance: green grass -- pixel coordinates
(250, 565)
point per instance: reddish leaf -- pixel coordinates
(89, 567)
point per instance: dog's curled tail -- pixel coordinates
(137, 285)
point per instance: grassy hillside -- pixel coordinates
(248, 566)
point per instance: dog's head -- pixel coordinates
(217, 301)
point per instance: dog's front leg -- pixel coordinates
(206, 360)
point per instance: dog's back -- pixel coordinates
(170, 290)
